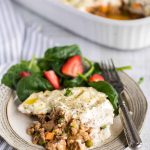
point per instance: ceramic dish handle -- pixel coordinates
(131, 133)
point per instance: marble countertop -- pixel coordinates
(139, 60)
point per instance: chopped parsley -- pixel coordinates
(103, 127)
(141, 80)
(68, 92)
(124, 68)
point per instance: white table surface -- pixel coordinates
(139, 60)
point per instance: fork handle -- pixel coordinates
(131, 133)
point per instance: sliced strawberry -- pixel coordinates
(73, 66)
(52, 78)
(96, 78)
(24, 74)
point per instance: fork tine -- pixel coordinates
(109, 71)
(106, 72)
(103, 69)
(114, 70)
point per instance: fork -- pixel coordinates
(111, 75)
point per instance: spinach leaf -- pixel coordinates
(34, 83)
(56, 66)
(12, 76)
(97, 68)
(57, 53)
(76, 82)
(44, 64)
(33, 66)
(108, 89)
(90, 69)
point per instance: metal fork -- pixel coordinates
(131, 133)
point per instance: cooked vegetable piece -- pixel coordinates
(73, 67)
(31, 84)
(96, 78)
(64, 52)
(136, 6)
(89, 143)
(49, 136)
(52, 78)
(108, 89)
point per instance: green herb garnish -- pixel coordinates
(124, 68)
(68, 92)
(103, 127)
(141, 80)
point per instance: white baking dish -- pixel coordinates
(123, 35)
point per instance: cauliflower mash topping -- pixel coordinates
(88, 3)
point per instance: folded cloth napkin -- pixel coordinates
(18, 41)
(11, 32)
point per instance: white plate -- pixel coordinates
(13, 124)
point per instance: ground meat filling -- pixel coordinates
(57, 131)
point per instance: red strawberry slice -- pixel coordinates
(52, 78)
(96, 78)
(25, 74)
(73, 66)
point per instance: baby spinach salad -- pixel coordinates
(61, 67)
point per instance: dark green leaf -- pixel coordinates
(97, 68)
(108, 89)
(57, 68)
(34, 83)
(12, 76)
(44, 64)
(58, 53)
(76, 82)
